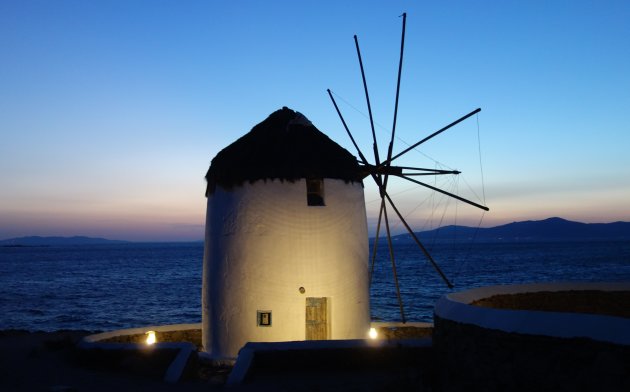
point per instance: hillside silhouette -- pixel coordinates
(551, 229)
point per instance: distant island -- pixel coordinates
(551, 229)
(56, 241)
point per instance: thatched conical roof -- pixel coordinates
(286, 146)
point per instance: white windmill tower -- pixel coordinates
(286, 251)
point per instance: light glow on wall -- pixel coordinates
(151, 338)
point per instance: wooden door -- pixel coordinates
(316, 318)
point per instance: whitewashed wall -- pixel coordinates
(263, 242)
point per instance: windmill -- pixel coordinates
(381, 170)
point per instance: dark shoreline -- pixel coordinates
(36, 360)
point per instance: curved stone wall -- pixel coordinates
(490, 349)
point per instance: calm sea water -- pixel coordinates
(120, 286)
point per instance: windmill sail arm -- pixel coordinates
(390, 148)
(367, 98)
(346, 128)
(428, 174)
(400, 64)
(429, 171)
(375, 245)
(393, 260)
(368, 169)
(472, 203)
(431, 136)
(417, 241)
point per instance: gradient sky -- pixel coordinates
(110, 111)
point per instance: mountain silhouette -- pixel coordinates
(551, 229)
(57, 241)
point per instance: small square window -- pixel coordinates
(264, 318)
(315, 192)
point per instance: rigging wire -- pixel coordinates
(385, 129)
(436, 202)
(447, 203)
(467, 252)
(431, 198)
(483, 187)
(424, 154)
(473, 191)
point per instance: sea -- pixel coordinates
(106, 287)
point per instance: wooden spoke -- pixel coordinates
(367, 98)
(388, 161)
(391, 257)
(417, 241)
(429, 171)
(375, 245)
(472, 203)
(365, 162)
(400, 64)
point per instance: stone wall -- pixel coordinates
(611, 303)
(473, 358)
(189, 335)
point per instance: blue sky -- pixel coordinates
(111, 111)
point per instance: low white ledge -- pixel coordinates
(177, 366)
(456, 307)
(398, 324)
(139, 331)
